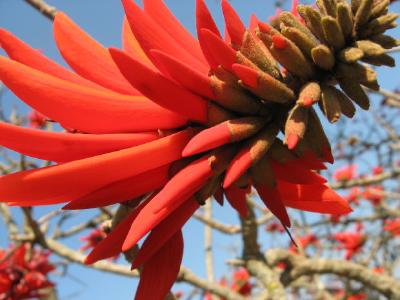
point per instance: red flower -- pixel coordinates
(274, 227)
(352, 242)
(354, 196)
(166, 114)
(345, 173)
(36, 120)
(393, 226)
(303, 242)
(374, 194)
(24, 273)
(377, 170)
(93, 239)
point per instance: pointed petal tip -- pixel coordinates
(279, 42)
(222, 53)
(264, 27)
(248, 75)
(292, 141)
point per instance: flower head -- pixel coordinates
(190, 118)
(24, 273)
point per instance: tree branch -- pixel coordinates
(47, 10)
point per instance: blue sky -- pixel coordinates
(102, 19)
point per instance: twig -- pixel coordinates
(47, 10)
(208, 242)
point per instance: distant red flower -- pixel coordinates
(393, 226)
(341, 293)
(36, 120)
(360, 296)
(352, 242)
(377, 170)
(345, 173)
(24, 273)
(274, 227)
(379, 270)
(374, 194)
(354, 195)
(303, 242)
(240, 283)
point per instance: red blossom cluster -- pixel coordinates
(24, 272)
(93, 238)
(303, 242)
(275, 227)
(351, 242)
(36, 120)
(393, 226)
(345, 173)
(240, 283)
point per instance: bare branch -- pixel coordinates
(47, 10)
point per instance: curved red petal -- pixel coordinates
(222, 53)
(87, 57)
(186, 182)
(64, 147)
(274, 202)
(83, 108)
(159, 274)
(164, 231)
(204, 18)
(237, 199)
(131, 45)
(162, 15)
(233, 23)
(293, 173)
(151, 35)
(23, 53)
(208, 139)
(314, 198)
(123, 190)
(55, 182)
(184, 74)
(248, 75)
(238, 166)
(112, 244)
(160, 89)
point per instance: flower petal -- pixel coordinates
(55, 182)
(184, 74)
(237, 199)
(64, 147)
(160, 89)
(315, 198)
(123, 190)
(159, 274)
(293, 173)
(160, 13)
(273, 201)
(23, 53)
(234, 25)
(131, 45)
(82, 108)
(204, 18)
(164, 231)
(238, 166)
(112, 244)
(186, 182)
(222, 54)
(87, 57)
(151, 35)
(208, 139)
